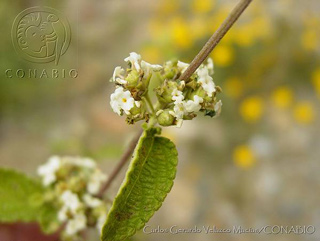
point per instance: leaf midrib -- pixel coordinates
(147, 156)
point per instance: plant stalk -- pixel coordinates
(124, 159)
(215, 38)
(149, 102)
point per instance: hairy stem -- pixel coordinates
(215, 38)
(124, 159)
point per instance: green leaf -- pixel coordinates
(17, 193)
(148, 181)
(48, 219)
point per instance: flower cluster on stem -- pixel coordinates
(72, 185)
(176, 100)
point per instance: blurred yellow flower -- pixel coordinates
(316, 80)
(247, 34)
(217, 19)
(244, 37)
(243, 157)
(152, 54)
(223, 55)
(262, 26)
(310, 20)
(202, 6)
(199, 30)
(282, 97)
(181, 33)
(251, 109)
(233, 87)
(304, 112)
(310, 39)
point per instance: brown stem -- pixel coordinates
(124, 159)
(215, 38)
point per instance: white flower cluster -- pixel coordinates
(194, 104)
(178, 100)
(126, 95)
(73, 183)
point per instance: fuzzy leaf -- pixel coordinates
(148, 181)
(17, 193)
(48, 219)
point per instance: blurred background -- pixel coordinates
(255, 165)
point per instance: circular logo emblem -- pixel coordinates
(41, 35)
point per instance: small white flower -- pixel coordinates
(159, 112)
(87, 162)
(210, 66)
(95, 182)
(118, 76)
(100, 222)
(217, 108)
(147, 68)
(81, 162)
(178, 114)
(62, 214)
(206, 81)
(91, 201)
(179, 123)
(70, 201)
(78, 223)
(168, 64)
(182, 66)
(182, 84)
(194, 105)
(177, 95)
(48, 170)
(179, 110)
(135, 60)
(137, 103)
(121, 100)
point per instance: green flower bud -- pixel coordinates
(76, 184)
(165, 118)
(170, 69)
(132, 79)
(170, 74)
(137, 113)
(138, 108)
(63, 173)
(192, 84)
(189, 116)
(164, 92)
(200, 92)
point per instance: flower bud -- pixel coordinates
(192, 84)
(164, 92)
(170, 69)
(201, 93)
(138, 108)
(137, 113)
(132, 79)
(165, 118)
(76, 184)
